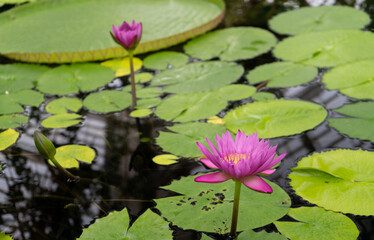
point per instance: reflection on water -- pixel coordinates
(36, 202)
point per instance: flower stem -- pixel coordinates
(235, 209)
(132, 76)
(63, 170)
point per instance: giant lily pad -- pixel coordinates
(162, 60)
(275, 118)
(360, 122)
(327, 48)
(231, 44)
(182, 141)
(210, 206)
(69, 156)
(354, 80)
(11, 103)
(195, 106)
(115, 226)
(198, 77)
(8, 138)
(347, 175)
(64, 79)
(17, 77)
(107, 101)
(12, 121)
(314, 222)
(72, 36)
(282, 74)
(310, 19)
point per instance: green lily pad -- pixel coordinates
(17, 77)
(162, 60)
(8, 138)
(263, 96)
(354, 80)
(347, 175)
(77, 39)
(143, 77)
(263, 235)
(141, 113)
(115, 226)
(210, 206)
(107, 101)
(275, 118)
(311, 19)
(146, 92)
(122, 66)
(182, 141)
(147, 103)
(231, 44)
(65, 79)
(12, 121)
(327, 48)
(282, 74)
(11, 103)
(359, 123)
(195, 106)
(165, 159)
(4, 236)
(314, 222)
(69, 156)
(198, 77)
(62, 120)
(62, 105)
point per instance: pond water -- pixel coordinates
(36, 202)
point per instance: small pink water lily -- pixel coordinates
(128, 35)
(240, 160)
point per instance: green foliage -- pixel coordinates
(4, 236)
(311, 19)
(343, 174)
(263, 235)
(65, 79)
(107, 101)
(11, 103)
(62, 105)
(68, 156)
(62, 120)
(162, 60)
(231, 44)
(275, 118)
(12, 121)
(165, 159)
(201, 105)
(317, 223)
(8, 138)
(359, 123)
(263, 96)
(141, 113)
(198, 77)
(143, 77)
(182, 141)
(210, 206)
(353, 79)
(115, 227)
(282, 74)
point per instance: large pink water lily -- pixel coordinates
(128, 35)
(241, 160)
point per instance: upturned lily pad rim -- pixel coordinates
(116, 52)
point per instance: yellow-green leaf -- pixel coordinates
(7, 138)
(122, 66)
(165, 159)
(69, 155)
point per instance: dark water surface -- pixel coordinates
(36, 202)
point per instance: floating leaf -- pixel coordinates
(231, 44)
(211, 204)
(68, 156)
(263, 96)
(12, 121)
(17, 77)
(347, 175)
(195, 106)
(107, 101)
(11, 103)
(282, 74)
(198, 77)
(115, 226)
(122, 66)
(65, 79)
(275, 118)
(165, 159)
(263, 235)
(215, 120)
(62, 105)
(141, 113)
(62, 120)
(4, 236)
(360, 122)
(162, 60)
(311, 19)
(8, 138)
(146, 92)
(354, 79)
(315, 221)
(77, 39)
(143, 77)
(147, 103)
(327, 48)
(183, 141)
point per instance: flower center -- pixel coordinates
(235, 157)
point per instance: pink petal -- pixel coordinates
(216, 177)
(268, 172)
(205, 151)
(208, 163)
(256, 183)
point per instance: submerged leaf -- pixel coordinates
(8, 138)
(69, 155)
(162, 60)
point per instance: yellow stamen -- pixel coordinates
(235, 157)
